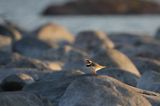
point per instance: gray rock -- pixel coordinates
(34, 73)
(16, 82)
(54, 34)
(22, 99)
(53, 85)
(122, 40)
(116, 59)
(150, 81)
(30, 46)
(157, 36)
(91, 41)
(120, 75)
(154, 100)
(101, 91)
(5, 58)
(146, 64)
(18, 61)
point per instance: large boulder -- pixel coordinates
(114, 58)
(101, 91)
(22, 99)
(91, 41)
(54, 34)
(53, 85)
(119, 74)
(146, 64)
(150, 81)
(30, 46)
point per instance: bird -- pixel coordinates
(94, 66)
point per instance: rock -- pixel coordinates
(102, 7)
(16, 82)
(30, 46)
(128, 40)
(119, 74)
(54, 34)
(155, 101)
(5, 43)
(150, 81)
(116, 59)
(101, 91)
(53, 85)
(22, 99)
(10, 30)
(5, 58)
(157, 36)
(145, 50)
(146, 64)
(34, 73)
(19, 61)
(92, 41)
(136, 45)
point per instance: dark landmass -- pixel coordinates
(103, 7)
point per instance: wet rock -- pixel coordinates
(16, 82)
(53, 85)
(120, 75)
(116, 59)
(92, 41)
(150, 81)
(146, 64)
(22, 99)
(101, 90)
(54, 34)
(30, 46)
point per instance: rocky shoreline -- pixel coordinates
(46, 68)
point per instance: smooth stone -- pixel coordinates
(146, 64)
(150, 81)
(54, 34)
(30, 46)
(22, 99)
(53, 85)
(91, 41)
(16, 82)
(114, 58)
(34, 73)
(101, 91)
(19, 61)
(122, 40)
(157, 36)
(119, 74)
(5, 58)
